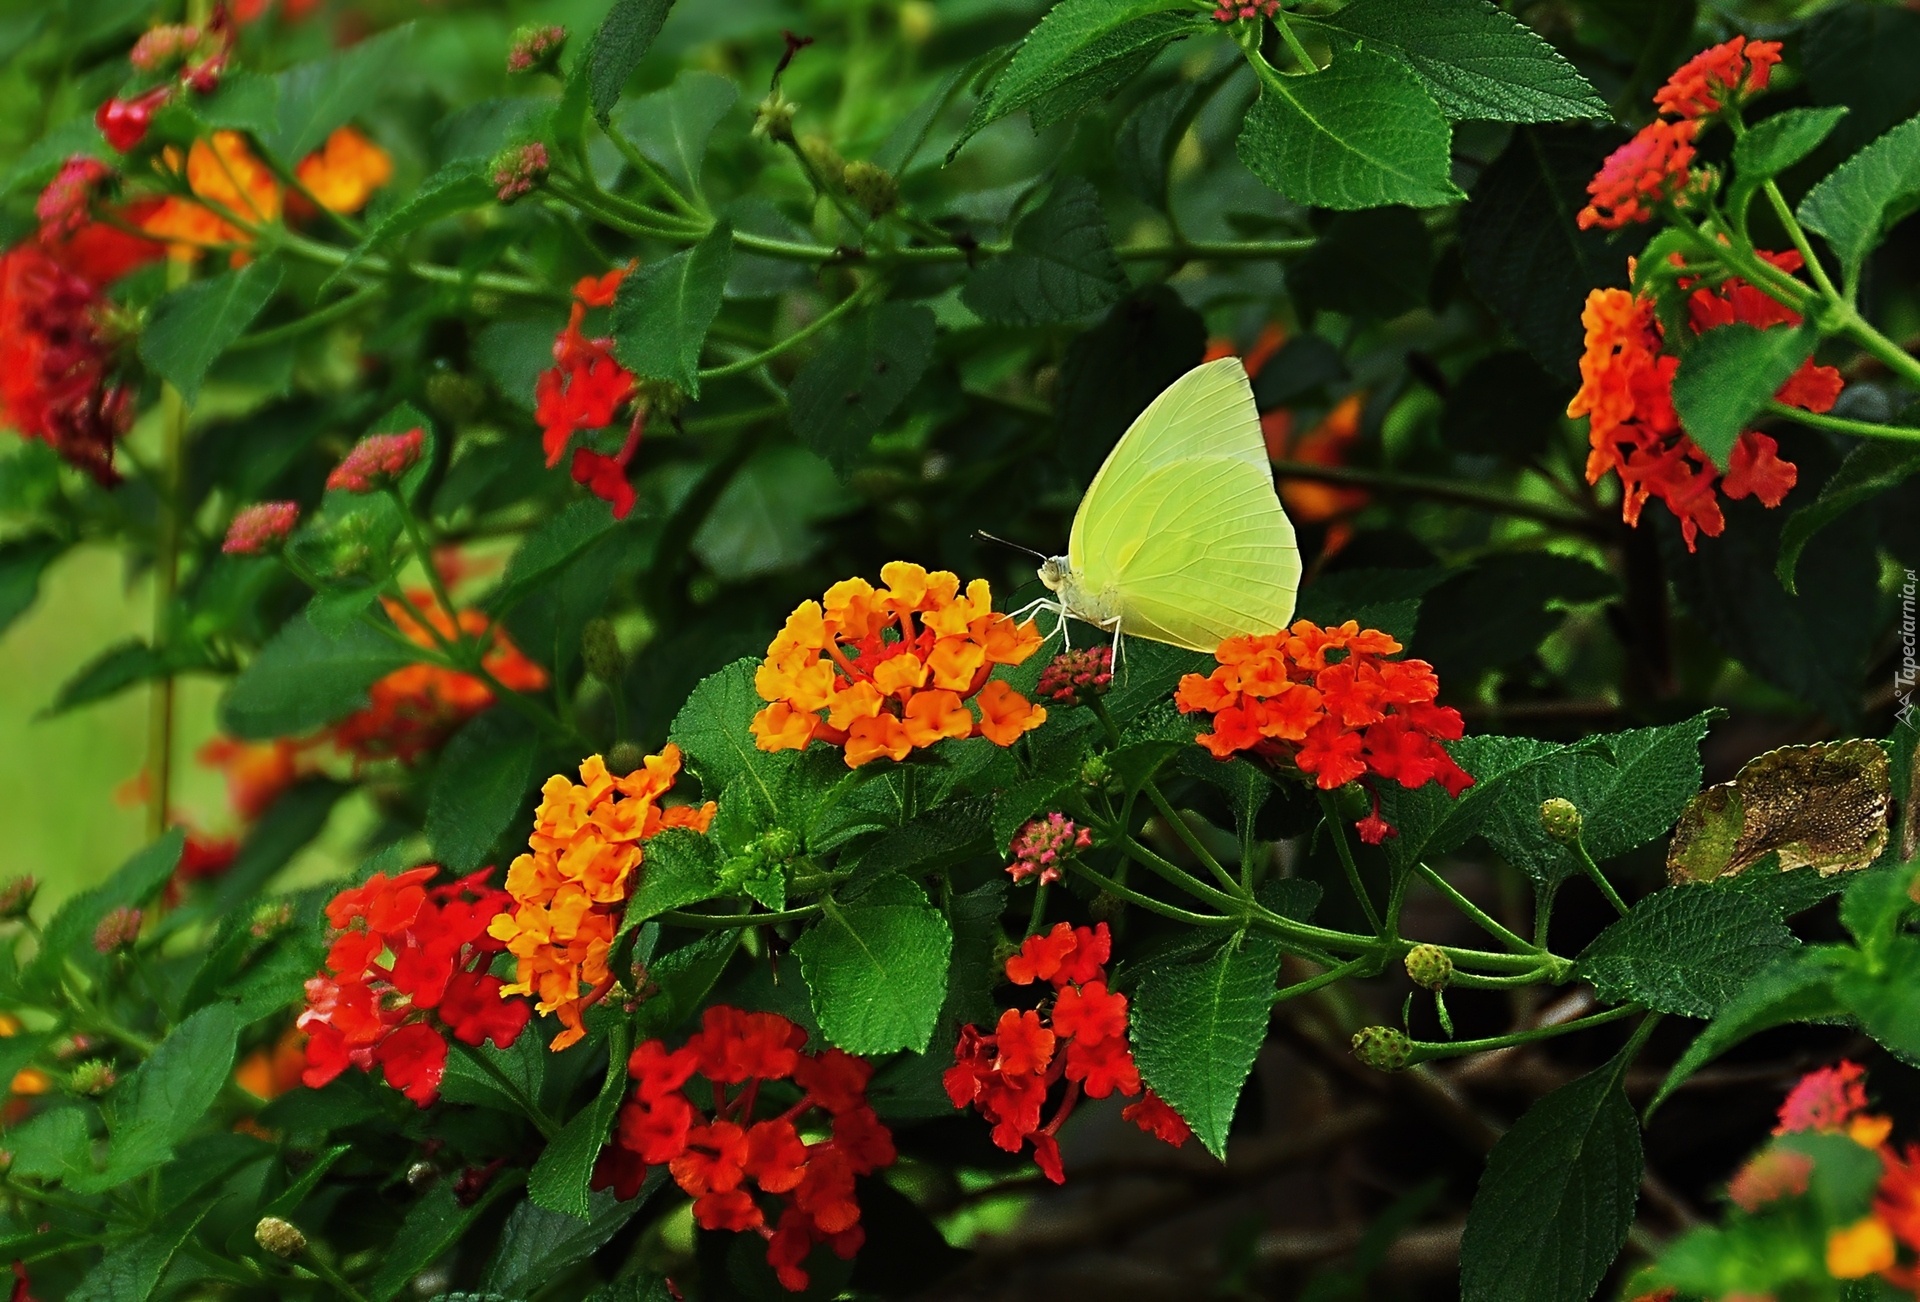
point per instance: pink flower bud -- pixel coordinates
(1076, 677)
(260, 528)
(118, 930)
(517, 171)
(535, 48)
(62, 207)
(160, 47)
(1041, 846)
(377, 460)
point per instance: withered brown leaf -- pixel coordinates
(1822, 806)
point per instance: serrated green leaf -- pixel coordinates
(1430, 823)
(681, 867)
(1861, 199)
(672, 126)
(536, 1245)
(156, 1106)
(52, 1146)
(131, 1270)
(621, 41)
(877, 969)
(1776, 143)
(303, 679)
(684, 976)
(547, 550)
(1556, 1198)
(1061, 267)
(663, 312)
(459, 186)
(1729, 374)
(1360, 133)
(561, 1176)
(1477, 62)
(1797, 988)
(477, 787)
(846, 391)
(68, 937)
(1884, 996)
(1077, 38)
(244, 101)
(319, 96)
(194, 324)
(1143, 147)
(1196, 1029)
(714, 732)
(1875, 466)
(433, 1224)
(1108, 64)
(1686, 950)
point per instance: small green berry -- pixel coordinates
(281, 1238)
(1382, 1047)
(1429, 967)
(1560, 818)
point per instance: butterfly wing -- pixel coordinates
(1208, 412)
(1203, 552)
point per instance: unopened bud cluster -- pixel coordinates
(1429, 967)
(872, 187)
(281, 1238)
(16, 897)
(1560, 819)
(536, 48)
(1382, 1047)
(117, 931)
(518, 171)
(93, 1077)
(1076, 677)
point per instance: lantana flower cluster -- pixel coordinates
(883, 672)
(1081, 1036)
(565, 896)
(228, 188)
(1655, 167)
(720, 1155)
(1626, 393)
(407, 966)
(1328, 702)
(584, 390)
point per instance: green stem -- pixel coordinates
(1327, 978)
(1592, 869)
(1175, 875)
(311, 321)
(650, 170)
(1896, 358)
(1840, 425)
(856, 299)
(1481, 918)
(1294, 47)
(1214, 250)
(724, 922)
(327, 1274)
(542, 1122)
(329, 256)
(1178, 826)
(1429, 1050)
(624, 214)
(423, 553)
(1336, 827)
(1800, 242)
(1147, 902)
(857, 220)
(1442, 490)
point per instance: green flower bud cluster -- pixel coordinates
(1382, 1047)
(1429, 967)
(760, 870)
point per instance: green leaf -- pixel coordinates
(672, 126)
(941, 837)
(317, 97)
(1875, 466)
(846, 391)
(1077, 39)
(460, 186)
(1108, 64)
(1360, 133)
(763, 521)
(39, 162)
(194, 324)
(1865, 196)
(433, 1224)
(52, 1146)
(1729, 374)
(560, 1178)
(131, 1270)
(1686, 950)
(1522, 247)
(664, 309)
(1111, 372)
(1061, 266)
(681, 867)
(1197, 1028)
(623, 39)
(22, 562)
(1143, 147)
(536, 1245)
(1885, 996)
(1505, 405)
(1875, 908)
(713, 731)
(170, 1092)
(684, 976)
(548, 549)
(1376, 262)
(1773, 145)
(109, 673)
(477, 787)
(1430, 823)
(1556, 1198)
(1497, 612)
(303, 679)
(69, 936)
(1797, 988)
(877, 969)
(1477, 62)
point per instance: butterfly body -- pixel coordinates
(1181, 538)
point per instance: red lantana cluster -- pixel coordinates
(1626, 392)
(1655, 166)
(1326, 701)
(1076, 677)
(377, 460)
(1227, 11)
(260, 528)
(585, 390)
(200, 56)
(1008, 1074)
(1042, 844)
(408, 962)
(714, 1157)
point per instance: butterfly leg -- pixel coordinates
(1052, 607)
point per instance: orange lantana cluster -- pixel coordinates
(413, 709)
(882, 672)
(228, 181)
(1626, 392)
(1326, 701)
(569, 891)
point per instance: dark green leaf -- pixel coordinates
(303, 679)
(1306, 365)
(681, 867)
(1875, 908)
(1866, 195)
(714, 731)
(1111, 372)
(244, 101)
(846, 391)
(287, 826)
(1798, 988)
(22, 562)
(1430, 823)
(459, 186)
(623, 39)
(1475, 61)
(1375, 262)
(1730, 373)
(433, 1224)
(1361, 133)
(672, 126)
(1505, 405)
(317, 97)
(1524, 252)
(877, 969)
(131, 1270)
(1885, 996)
(1498, 612)
(1858, 55)
(109, 673)
(194, 324)
(477, 787)
(1144, 145)
(1197, 1027)
(53, 1146)
(1109, 64)
(1556, 1198)
(1875, 466)
(1077, 39)
(1771, 146)
(549, 549)
(763, 521)
(536, 1245)
(1061, 266)
(561, 1176)
(69, 936)
(167, 1096)
(1686, 950)
(38, 163)
(684, 976)
(664, 309)
(512, 353)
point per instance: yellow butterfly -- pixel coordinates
(1181, 537)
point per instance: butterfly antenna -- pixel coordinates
(982, 533)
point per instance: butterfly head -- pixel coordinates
(1055, 572)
